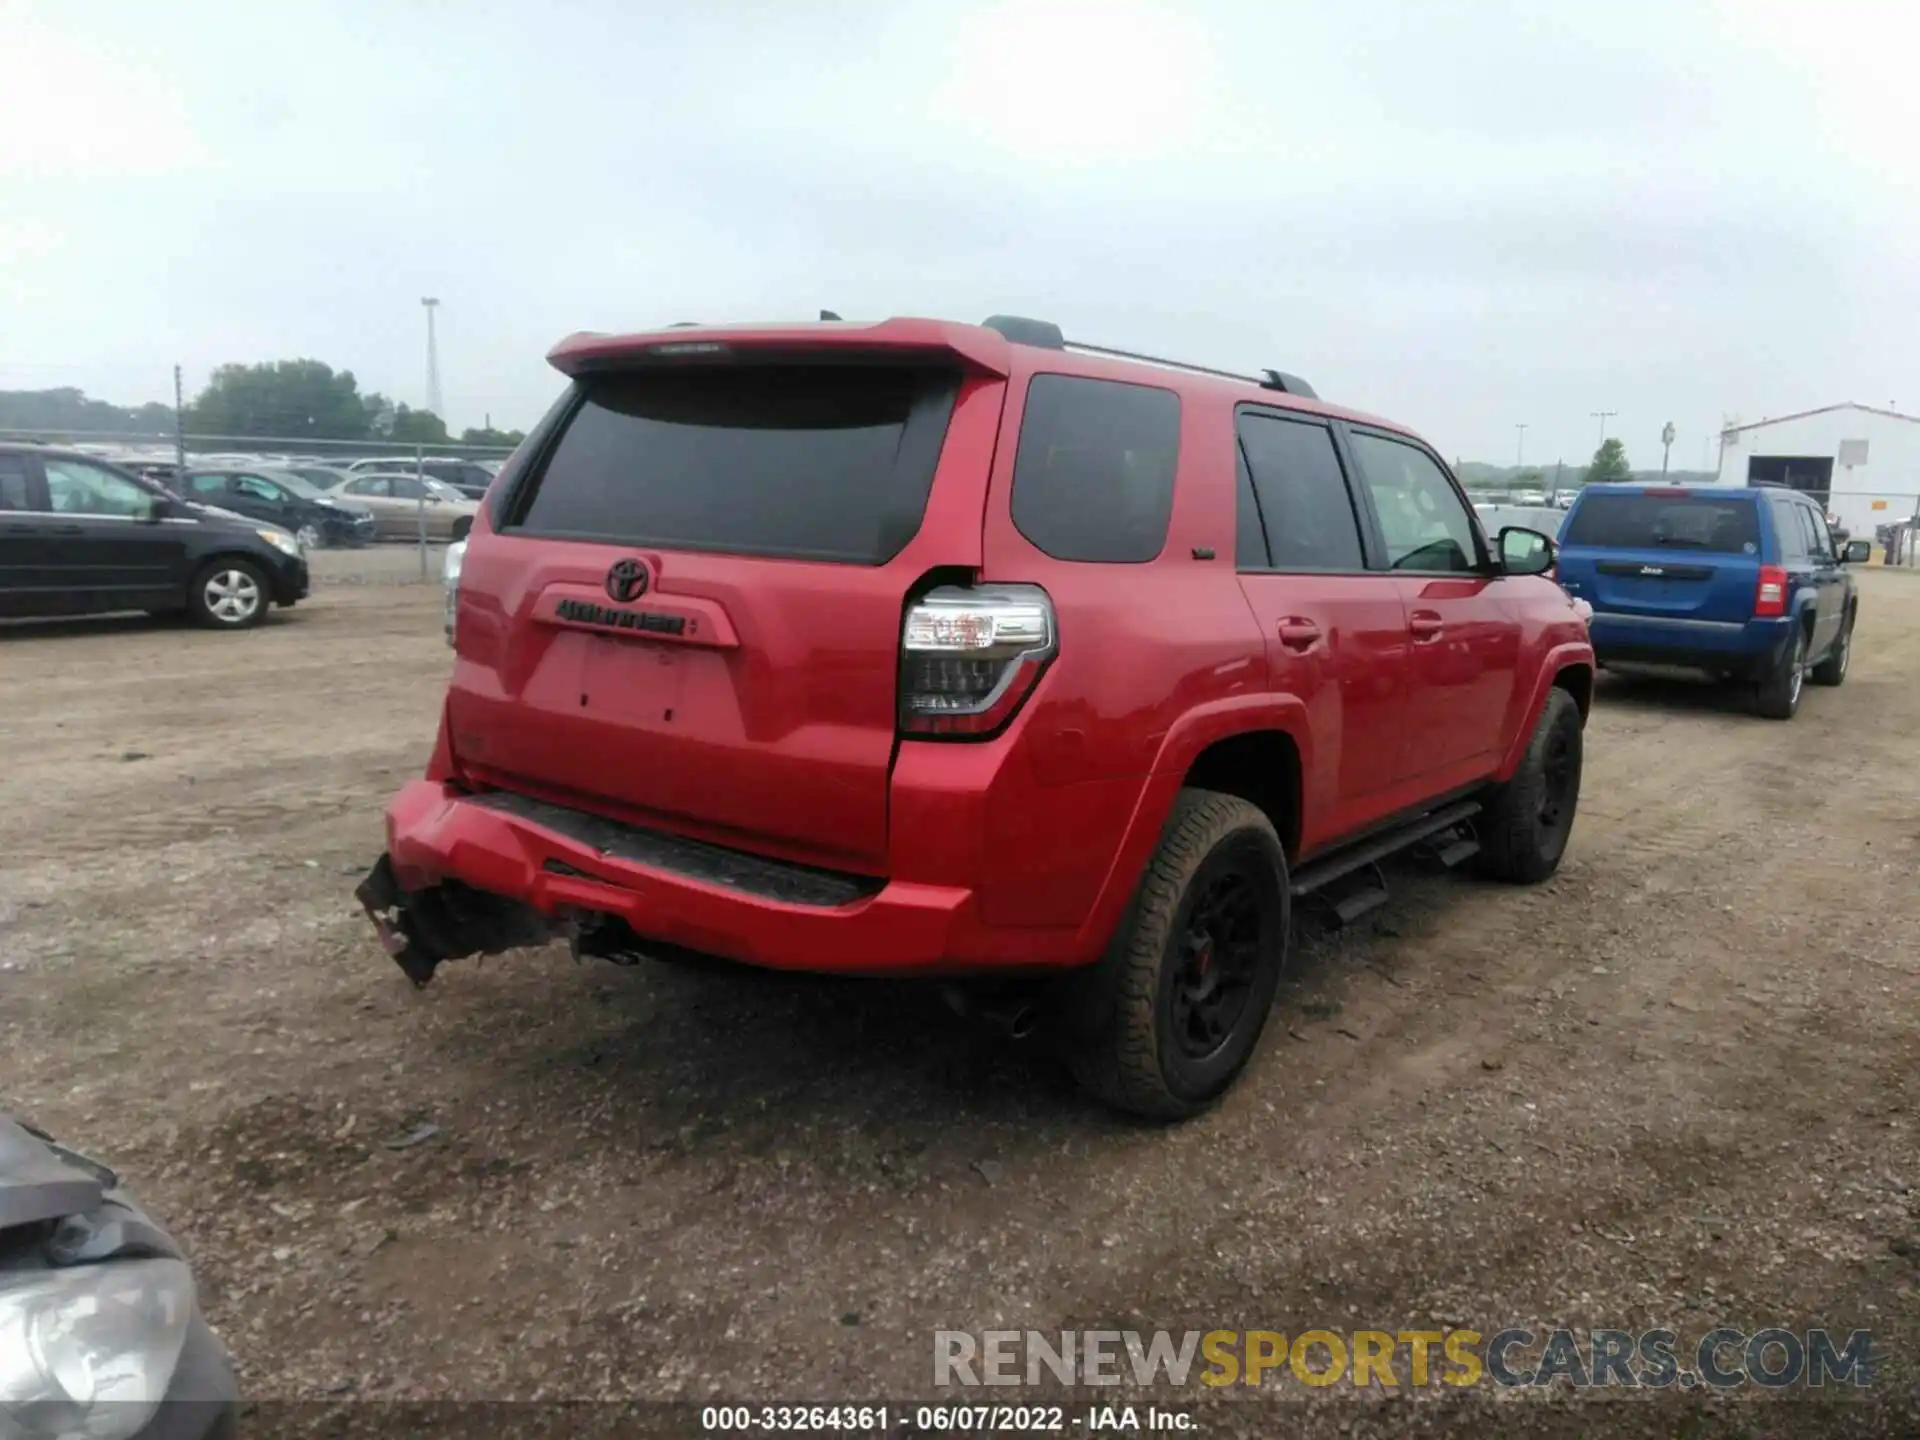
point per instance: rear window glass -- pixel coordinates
(807, 461)
(1646, 522)
(1093, 478)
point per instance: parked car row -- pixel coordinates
(469, 477)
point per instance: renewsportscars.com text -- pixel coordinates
(1721, 1358)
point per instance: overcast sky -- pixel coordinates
(1463, 216)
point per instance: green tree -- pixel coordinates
(417, 427)
(70, 411)
(296, 399)
(500, 439)
(1609, 464)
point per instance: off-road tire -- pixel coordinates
(1833, 669)
(1116, 1017)
(1523, 832)
(1777, 697)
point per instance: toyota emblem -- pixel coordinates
(627, 580)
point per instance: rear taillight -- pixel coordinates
(969, 657)
(1771, 596)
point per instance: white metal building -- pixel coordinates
(1862, 463)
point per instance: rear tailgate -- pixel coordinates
(696, 591)
(1664, 554)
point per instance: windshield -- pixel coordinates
(1727, 525)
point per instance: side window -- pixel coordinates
(1818, 534)
(406, 487)
(13, 482)
(258, 488)
(76, 488)
(1792, 531)
(1423, 520)
(1250, 536)
(1093, 477)
(207, 484)
(1305, 507)
(367, 487)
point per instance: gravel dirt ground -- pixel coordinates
(1675, 1086)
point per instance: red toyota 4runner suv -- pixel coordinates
(928, 649)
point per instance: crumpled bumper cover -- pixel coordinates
(462, 876)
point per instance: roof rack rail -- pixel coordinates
(1267, 379)
(1159, 360)
(1048, 336)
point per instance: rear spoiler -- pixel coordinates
(980, 350)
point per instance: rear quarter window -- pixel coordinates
(13, 483)
(804, 461)
(1727, 526)
(1093, 475)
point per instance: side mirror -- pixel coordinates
(1524, 552)
(1856, 553)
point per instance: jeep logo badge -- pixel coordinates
(627, 580)
(1648, 570)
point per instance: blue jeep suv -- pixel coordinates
(1746, 584)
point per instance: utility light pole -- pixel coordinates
(179, 422)
(1520, 449)
(433, 358)
(1603, 416)
(1666, 444)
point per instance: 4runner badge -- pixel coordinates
(627, 580)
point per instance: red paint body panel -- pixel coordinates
(768, 724)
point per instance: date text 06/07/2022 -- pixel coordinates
(855, 1420)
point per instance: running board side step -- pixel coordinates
(1326, 869)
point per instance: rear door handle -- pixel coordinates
(1423, 624)
(1297, 633)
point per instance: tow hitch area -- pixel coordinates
(421, 928)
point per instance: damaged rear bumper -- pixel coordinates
(478, 874)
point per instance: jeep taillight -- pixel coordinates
(969, 657)
(1771, 596)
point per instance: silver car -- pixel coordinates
(403, 504)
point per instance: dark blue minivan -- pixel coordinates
(1746, 584)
